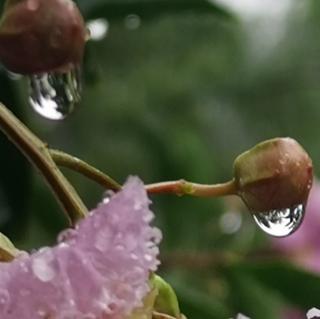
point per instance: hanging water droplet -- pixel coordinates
(280, 223)
(54, 95)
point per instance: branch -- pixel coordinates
(182, 187)
(38, 154)
(80, 166)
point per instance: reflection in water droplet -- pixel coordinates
(280, 223)
(54, 95)
(97, 29)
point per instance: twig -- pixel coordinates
(38, 154)
(182, 187)
(80, 166)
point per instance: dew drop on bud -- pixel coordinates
(54, 95)
(280, 223)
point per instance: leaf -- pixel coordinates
(298, 287)
(146, 8)
(7, 250)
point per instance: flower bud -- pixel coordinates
(39, 36)
(275, 174)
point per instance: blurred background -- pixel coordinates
(177, 89)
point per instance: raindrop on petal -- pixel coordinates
(4, 300)
(42, 265)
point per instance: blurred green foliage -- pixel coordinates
(179, 97)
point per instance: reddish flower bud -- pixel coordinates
(38, 36)
(274, 175)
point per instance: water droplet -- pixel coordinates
(134, 256)
(148, 217)
(42, 313)
(24, 292)
(68, 235)
(148, 257)
(107, 196)
(42, 266)
(280, 223)
(103, 239)
(54, 95)
(313, 313)
(4, 300)
(33, 5)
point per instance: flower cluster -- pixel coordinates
(99, 270)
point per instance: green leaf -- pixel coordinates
(298, 287)
(147, 8)
(7, 250)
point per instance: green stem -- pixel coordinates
(80, 166)
(38, 154)
(182, 187)
(158, 315)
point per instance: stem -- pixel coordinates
(158, 315)
(80, 166)
(179, 187)
(182, 187)
(38, 154)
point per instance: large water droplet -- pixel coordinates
(43, 265)
(280, 223)
(54, 95)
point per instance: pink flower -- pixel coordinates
(100, 270)
(303, 246)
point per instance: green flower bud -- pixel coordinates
(38, 36)
(275, 174)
